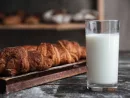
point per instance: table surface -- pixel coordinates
(75, 87)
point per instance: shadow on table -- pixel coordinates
(76, 88)
(72, 87)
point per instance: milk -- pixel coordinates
(102, 58)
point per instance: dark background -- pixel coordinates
(34, 6)
(21, 37)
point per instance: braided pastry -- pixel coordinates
(23, 59)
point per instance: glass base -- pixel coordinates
(102, 87)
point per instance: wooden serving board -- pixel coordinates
(16, 83)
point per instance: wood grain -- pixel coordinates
(68, 26)
(16, 83)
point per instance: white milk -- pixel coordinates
(103, 50)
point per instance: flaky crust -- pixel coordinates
(13, 60)
(30, 47)
(23, 59)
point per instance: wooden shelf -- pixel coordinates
(69, 26)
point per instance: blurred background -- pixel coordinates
(35, 21)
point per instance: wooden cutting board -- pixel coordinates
(16, 83)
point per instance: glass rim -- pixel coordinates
(100, 20)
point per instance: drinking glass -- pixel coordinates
(102, 44)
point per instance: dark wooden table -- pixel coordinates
(75, 87)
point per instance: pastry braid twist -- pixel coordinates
(23, 59)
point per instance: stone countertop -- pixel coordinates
(75, 87)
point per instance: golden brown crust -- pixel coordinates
(32, 20)
(35, 60)
(83, 52)
(74, 49)
(22, 59)
(14, 60)
(12, 20)
(47, 51)
(30, 47)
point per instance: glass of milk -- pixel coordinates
(102, 42)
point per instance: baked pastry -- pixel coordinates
(23, 59)
(32, 20)
(30, 47)
(12, 20)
